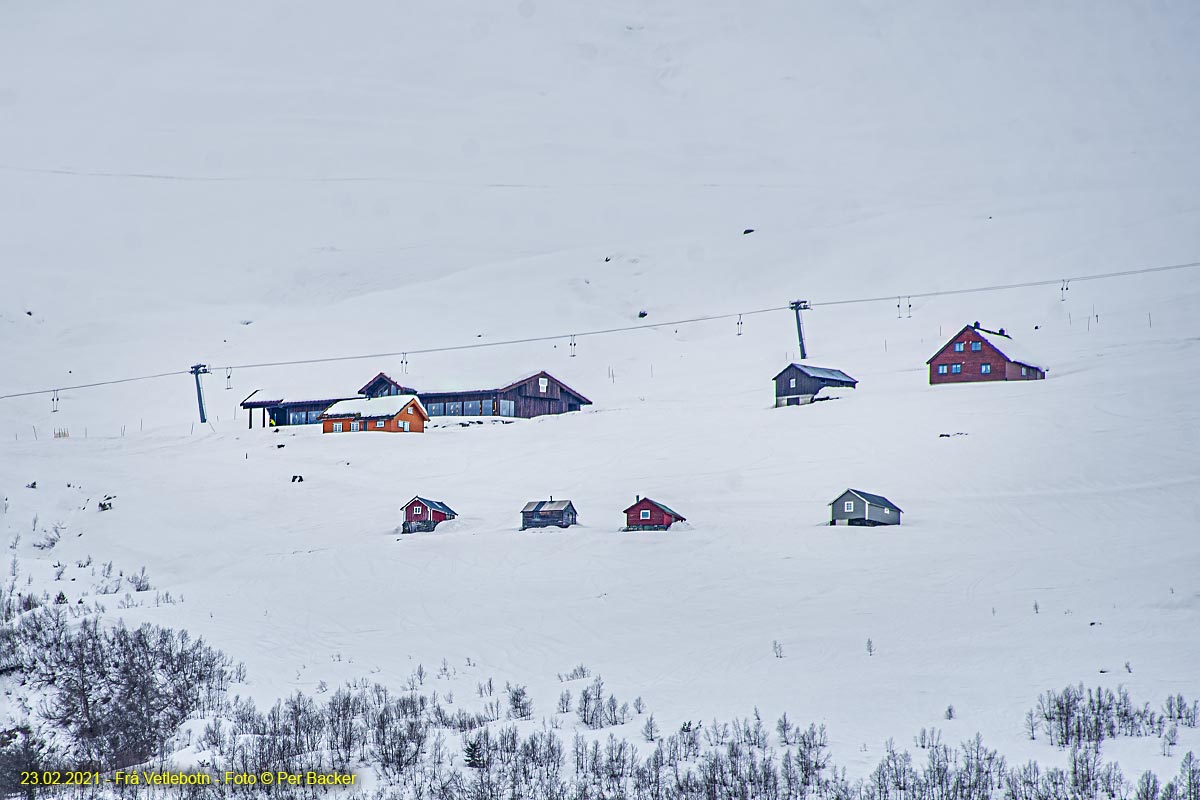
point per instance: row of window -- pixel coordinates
(849, 508)
(471, 408)
(961, 346)
(984, 369)
(358, 426)
(301, 417)
(955, 369)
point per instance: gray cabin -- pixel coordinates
(798, 384)
(547, 513)
(853, 507)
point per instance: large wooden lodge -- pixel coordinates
(537, 395)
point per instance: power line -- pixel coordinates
(527, 340)
(1004, 286)
(97, 383)
(708, 318)
(622, 329)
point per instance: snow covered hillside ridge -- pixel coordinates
(231, 184)
(287, 164)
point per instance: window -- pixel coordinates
(472, 408)
(379, 423)
(985, 369)
(454, 409)
(1022, 372)
(418, 511)
(337, 427)
(645, 514)
(410, 410)
(886, 510)
(508, 408)
(354, 426)
(849, 506)
(543, 384)
(792, 383)
(976, 347)
(405, 424)
(959, 347)
(943, 369)
(956, 368)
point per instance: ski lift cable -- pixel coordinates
(622, 329)
(97, 383)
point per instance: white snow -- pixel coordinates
(235, 184)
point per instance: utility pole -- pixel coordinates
(798, 306)
(197, 371)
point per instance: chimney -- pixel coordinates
(551, 498)
(637, 498)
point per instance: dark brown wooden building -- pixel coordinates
(548, 513)
(530, 397)
(383, 386)
(277, 410)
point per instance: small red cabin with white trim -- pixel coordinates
(650, 515)
(422, 514)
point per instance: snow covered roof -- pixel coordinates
(820, 373)
(1011, 350)
(661, 507)
(387, 406)
(873, 499)
(277, 396)
(436, 505)
(546, 505)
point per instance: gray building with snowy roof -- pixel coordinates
(856, 507)
(548, 513)
(798, 384)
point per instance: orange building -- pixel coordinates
(391, 414)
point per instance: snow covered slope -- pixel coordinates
(227, 184)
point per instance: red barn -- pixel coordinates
(421, 514)
(650, 515)
(977, 354)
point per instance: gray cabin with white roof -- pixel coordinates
(798, 384)
(548, 513)
(856, 507)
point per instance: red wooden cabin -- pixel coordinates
(422, 514)
(977, 354)
(650, 515)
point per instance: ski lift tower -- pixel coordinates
(197, 371)
(798, 306)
